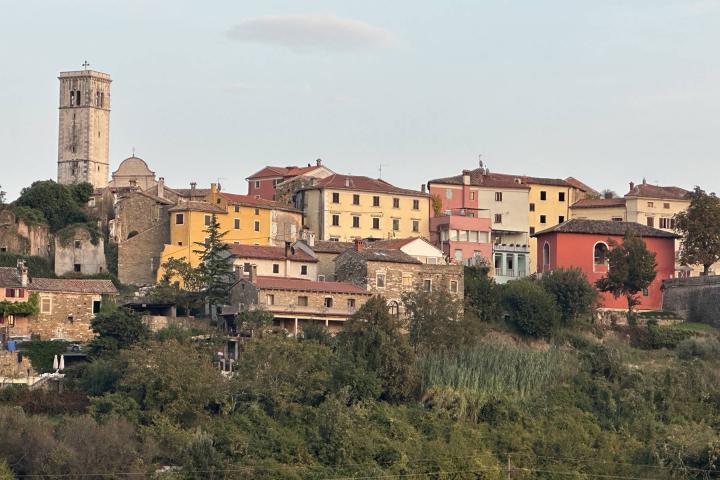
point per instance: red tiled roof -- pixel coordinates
(197, 206)
(9, 278)
(656, 191)
(606, 227)
(237, 199)
(187, 192)
(361, 184)
(74, 285)
(599, 203)
(394, 244)
(480, 178)
(270, 253)
(580, 185)
(327, 246)
(281, 283)
(284, 172)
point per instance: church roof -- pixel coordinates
(133, 167)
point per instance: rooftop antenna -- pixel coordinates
(133, 151)
(480, 162)
(380, 170)
(85, 65)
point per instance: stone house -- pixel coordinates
(326, 252)
(295, 303)
(66, 306)
(78, 250)
(392, 272)
(286, 262)
(21, 236)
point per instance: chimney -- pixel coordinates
(466, 177)
(192, 188)
(644, 181)
(253, 273)
(632, 185)
(422, 188)
(214, 193)
(22, 272)
(161, 187)
(359, 244)
(287, 249)
(318, 162)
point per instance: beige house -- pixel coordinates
(282, 262)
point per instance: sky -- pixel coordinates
(608, 92)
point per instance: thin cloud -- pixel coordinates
(312, 32)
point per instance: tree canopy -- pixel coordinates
(60, 205)
(700, 227)
(215, 269)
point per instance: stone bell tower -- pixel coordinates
(84, 127)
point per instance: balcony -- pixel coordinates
(307, 311)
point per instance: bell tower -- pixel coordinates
(84, 127)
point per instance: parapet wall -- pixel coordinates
(695, 299)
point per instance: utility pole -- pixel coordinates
(509, 467)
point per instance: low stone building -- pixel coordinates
(287, 261)
(78, 250)
(392, 272)
(326, 252)
(22, 236)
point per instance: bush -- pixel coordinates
(573, 293)
(667, 337)
(37, 266)
(698, 347)
(482, 294)
(530, 308)
(42, 354)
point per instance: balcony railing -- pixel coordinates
(307, 310)
(465, 212)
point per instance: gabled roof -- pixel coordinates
(606, 227)
(282, 283)
(237, 199)
(361, 184)
(386, 255)
(197, 207)
(291, 171)
(481, 178)
(270, 253)
(599, 203)
(9, 278)
(656, 191)
(392, 244)
(188, 192)
(72, 285)
(581, 186)
(326, 246)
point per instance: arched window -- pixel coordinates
(546, 256)
(600, 256)
(394, 308)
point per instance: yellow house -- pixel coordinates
(246, 220)
(344, 207)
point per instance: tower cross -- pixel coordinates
(86, 64)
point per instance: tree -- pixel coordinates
(631, 269)
(435, 320)
(116, 329)
(216, 270)
(608, 193)
(180, 283)
(59, 204)
(700, 227)
(482, 294)
(574, 294)
(376, 360)
(530, 308)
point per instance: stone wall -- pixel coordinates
(10, 367)
(18, 236)
(326, 265)
(68, 318)
(79, 249)
(696, 299)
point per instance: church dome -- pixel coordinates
(133, 167)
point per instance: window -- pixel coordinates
(561, 219)
(208, 220)
(356, 199)
(275, 182)
(617, 219)
(543, 219)
(427, 285)
(303, 269)
(498, 218)
(416, 204)
(46, 305)
(72, 98)
(650, 221)
(666, 205)
(257, 226)
(407, 280)
(472, 195)
(651, 204)
(336, 197)
(237, 208)
(668, 223)
(328, 302)
(77, 268)
(78, 244)
(521, 265)
(10, 292)
(416, 226)
(246, 266)
(561, 196)
(396, 203)
(510, 264)
(179, 219)
(546, 256)
(179, 244)
(448, 193)
(498, 263)
(321, 278)
(270, 299)
(646, 292)
(257, 183)
(351, 303)
(302, 301)
(376, 201)
(498, 196)
(257, 211)
(237, 224)
(276, 268)
(336, 220)
(96, 306)
(356, 221)
(453, 286)
(458, 255)
(380, 280)
(394, 308)
(543, 195)
(376, 223)
(396, 224)
(532, 230)
(532, 207)
(600, 254)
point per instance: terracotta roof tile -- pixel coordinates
(280, 283)
(656, 191)
(237, 199)
(326, 246)
(362, 184)
(599, 203)
(393, 244)
(580, 185)
(291, 171)
(74, 285)
(197, 206)
(270, 253)
(479, 178)
(187, 192)
(386, 255)
(606, 227)
(9, 278)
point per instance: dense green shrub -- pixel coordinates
(699, 347)
(37, 266)
(60, 204)
(573, 294)
(482, 294)
(42, 353)
(530, 308)
(667, 337)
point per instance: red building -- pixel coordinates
(584, 244)
(262, 184)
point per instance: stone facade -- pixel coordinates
(77, 253)
(14, 365)
(65, 315)
(19, 236)
(695, 299)
(84, 128)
